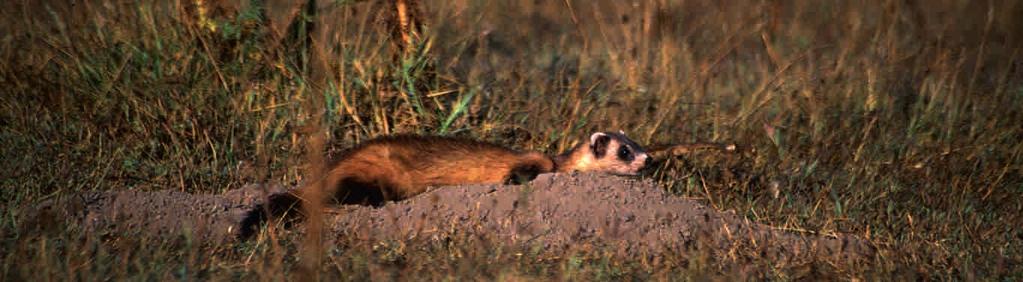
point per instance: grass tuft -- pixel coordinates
(895, 121)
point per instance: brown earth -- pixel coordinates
(554, 212)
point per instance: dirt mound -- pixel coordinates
(555, 212)
(162, 213)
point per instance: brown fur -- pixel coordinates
(398, 167)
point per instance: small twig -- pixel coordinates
(662, 151)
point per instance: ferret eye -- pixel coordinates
(625, 154)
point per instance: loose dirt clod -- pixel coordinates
(554, 212)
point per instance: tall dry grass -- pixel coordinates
(894, 120)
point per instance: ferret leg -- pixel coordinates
(531, 165)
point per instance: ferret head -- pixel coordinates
(611, 153)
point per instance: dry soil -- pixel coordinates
(553, 213)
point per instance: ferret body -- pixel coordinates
(398, 167)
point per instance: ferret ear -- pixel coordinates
(596, 137)
(622, 132)
(598, 144)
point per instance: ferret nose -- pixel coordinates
(647, 161)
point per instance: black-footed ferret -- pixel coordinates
(398, 167)
(394, 168)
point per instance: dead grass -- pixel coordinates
(897, 121)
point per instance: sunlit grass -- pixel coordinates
(895, 122)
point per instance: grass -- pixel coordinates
(895, 121)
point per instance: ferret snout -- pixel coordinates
(642, 162)
(641, 165)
